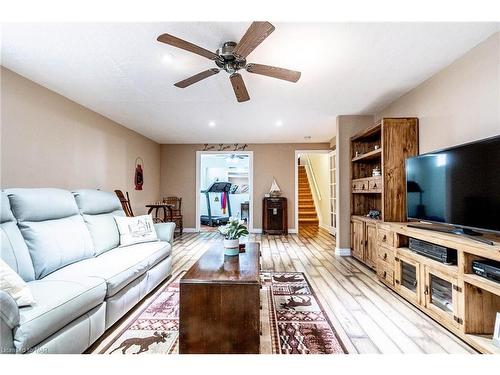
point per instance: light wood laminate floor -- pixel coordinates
(368, 316)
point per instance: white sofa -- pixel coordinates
(65, 245)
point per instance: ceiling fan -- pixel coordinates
(231, 57)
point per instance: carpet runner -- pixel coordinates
(292, 319)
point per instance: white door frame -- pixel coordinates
(296, 185)
(250, 183)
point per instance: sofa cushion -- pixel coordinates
(41, 204)
(52, 228)
(119, 266)
(98, 209)
(13, 250)
(59, 302)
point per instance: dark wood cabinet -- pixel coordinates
(275, 216)
(219, 303)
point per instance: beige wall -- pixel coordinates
(347, 126)
(48, 140)
(178, 175)
(459, 104)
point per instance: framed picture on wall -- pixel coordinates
(496, 332)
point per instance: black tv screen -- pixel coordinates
(458, 186)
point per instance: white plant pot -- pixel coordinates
(231, 247)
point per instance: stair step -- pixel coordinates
(308, 220)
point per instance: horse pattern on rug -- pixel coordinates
(295, 319)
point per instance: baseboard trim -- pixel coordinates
(189, 230)
(343, 252)
(328, 228)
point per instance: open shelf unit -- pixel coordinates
(383, 147)
(471, 301)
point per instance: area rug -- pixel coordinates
(292, 320)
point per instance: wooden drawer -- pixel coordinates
(360, 185)
(385, 237)
(375, 185)
(386, 255)
(384, 273)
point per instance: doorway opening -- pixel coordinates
(315, 187)
(224, 188)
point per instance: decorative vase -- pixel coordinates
(231, 247)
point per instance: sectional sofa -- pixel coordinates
(65, 245)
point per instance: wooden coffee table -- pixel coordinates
(219, 303)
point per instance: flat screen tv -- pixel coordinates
(459, 186)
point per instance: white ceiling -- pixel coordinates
(118, 70)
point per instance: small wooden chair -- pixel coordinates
(127, 208)
(176, 202)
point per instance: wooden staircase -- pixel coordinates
(307, 210)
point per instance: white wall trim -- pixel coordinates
(329, 228)
(190, 230)
(343, 252)
(296, 183)
(250, 180)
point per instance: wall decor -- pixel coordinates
(224, 147)
(139, 173)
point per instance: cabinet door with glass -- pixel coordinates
(441, 295)
(407, 278)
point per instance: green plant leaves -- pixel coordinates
(233, 230)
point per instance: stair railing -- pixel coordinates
(313, 177)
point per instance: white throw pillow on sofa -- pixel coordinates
(136, 229)
(11, 283)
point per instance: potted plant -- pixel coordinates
(232, 233)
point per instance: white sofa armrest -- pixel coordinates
(165, 232)
(9, 319)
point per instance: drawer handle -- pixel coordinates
(363, 187)
(385, 256)
(426, 290)
(384, 238)
(415, 283)
(375, 185)
(385, 274)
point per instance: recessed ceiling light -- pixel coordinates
(211, 124)
(307, 137)
(167, 58)
(279, 123)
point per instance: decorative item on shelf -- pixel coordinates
(374, 214)
(139, 173)
(376, 171)
(232, 233)
(357, 154)
(377, 147)
(275, 189)
(496, 333)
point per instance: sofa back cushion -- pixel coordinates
(97, 209)
(13, 249)
(52, 228)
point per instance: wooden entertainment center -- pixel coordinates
(453, 295)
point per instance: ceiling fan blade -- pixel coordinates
(272, 71)
(255, 35)
(239, 87)
(196, 78)
(182, 44)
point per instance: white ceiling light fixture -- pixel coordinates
(167, 58)
(279, 123)
(211, 124)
